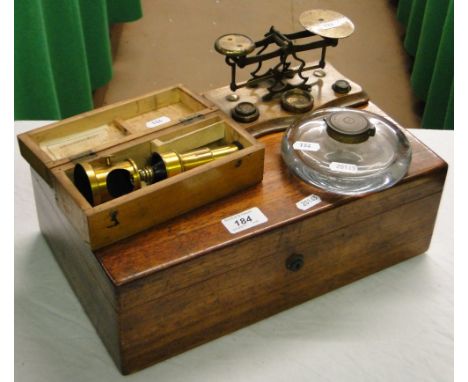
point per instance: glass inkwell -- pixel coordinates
(346, 151)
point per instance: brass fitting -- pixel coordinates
(100, 184)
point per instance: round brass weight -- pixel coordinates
(297, 101)
(245, 112)
(326, 23)
(234, 45)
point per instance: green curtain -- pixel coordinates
(62, 53)
(429, 38)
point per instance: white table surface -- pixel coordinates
(395, 325)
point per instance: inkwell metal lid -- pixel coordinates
(349, 127)
(347, 151)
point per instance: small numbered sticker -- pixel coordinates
(333, 23)
(343, 167)
(158, 121)
(306, 146)
(244, 220)
(308, 202)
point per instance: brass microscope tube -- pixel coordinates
(99, 184)
(176, 163)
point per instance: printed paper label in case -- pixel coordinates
(308, 202)
(306, 146)
(244, 220)
(158, 121)
(343, 167)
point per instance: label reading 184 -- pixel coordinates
(306, 146)
(244, 220)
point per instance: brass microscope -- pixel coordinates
(100, 183)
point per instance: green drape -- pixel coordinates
(62, 53)
(429, 38)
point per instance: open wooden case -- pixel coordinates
(170, 119)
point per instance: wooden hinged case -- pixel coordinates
(169, 119)
(189, 280)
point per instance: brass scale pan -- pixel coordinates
(326, 23)
(322, 22)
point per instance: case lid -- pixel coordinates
(85, 135)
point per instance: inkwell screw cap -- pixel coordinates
(349, 127)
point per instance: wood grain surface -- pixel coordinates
(95, 291)
(221, 303)
(192, 234)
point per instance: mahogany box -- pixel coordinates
(159, 286)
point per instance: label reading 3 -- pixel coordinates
(308, 202)
(343, 167)
(244, 220)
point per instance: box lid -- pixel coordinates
(85, 135)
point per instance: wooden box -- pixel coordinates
(171, 119)
(189, 280)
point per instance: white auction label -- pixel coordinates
(244, 220)
(306, 146)
(343, 167)
(333, 23)
(308, 202)
(158, 121)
